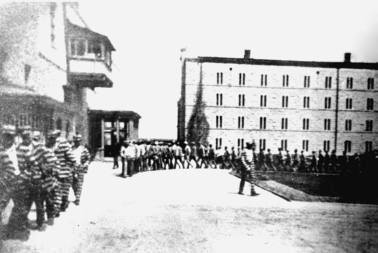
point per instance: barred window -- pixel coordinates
(284, 123)
(370, 82)
(262, 122)
(307, 81)
(368, 146)
(327, 124)
(349, 103)
(219, 77)
(369, 125)
(348, 125)
(306, 102)
(370, 104)
(284, 144)
(264, 80)
(241, 78)
(328, 82)
(262, 143)
(305, 145)
(306, 124)
(263, 101)
(349, 83)
(285, 101)
(285, 80)
(326, 145)
(327, 102)
(347, 146)
(241, 122)
(219, 121)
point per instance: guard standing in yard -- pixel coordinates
(288, 162)
(320, 162)
(269, 161)
(262, 165)
(212, 157)
(327, 160)
(193, 154)
(295, 164)
(82, 156)
(302, 162)
(333, 167)
(178, 155)
(248, 168)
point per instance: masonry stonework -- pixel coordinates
(264, 86)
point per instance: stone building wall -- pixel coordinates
(232, 87)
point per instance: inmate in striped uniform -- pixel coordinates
(248, 169)
(48, 185)
(82, 157)
(15, 179)
(66, 160)
(27, 154)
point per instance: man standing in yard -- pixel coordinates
(248, 168)
(269, 161)
(82, 156)
(320, 162)
(333, 161)
(295, 164)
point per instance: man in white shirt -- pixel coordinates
(130, 154)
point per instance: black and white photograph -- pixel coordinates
(189, 126)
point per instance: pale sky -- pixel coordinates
(148, 36)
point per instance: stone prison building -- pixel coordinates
(302, 105)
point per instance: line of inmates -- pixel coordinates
(140, 156)
(40, 173)
(316, 162)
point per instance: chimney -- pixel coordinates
(247, 54)
(347, 57)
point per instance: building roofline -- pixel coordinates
(115, 113)
(86, 32)
(251, 61)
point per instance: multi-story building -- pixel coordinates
(49, 61)
(291, 105)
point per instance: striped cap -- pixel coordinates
(25, 129)
(77, 137)
(8, 129)
(52, 133)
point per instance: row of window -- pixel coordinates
(305, 145)
(306, 82)
(305, 123)
(306, 102)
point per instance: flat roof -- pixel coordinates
(107, 114)
(251, 61)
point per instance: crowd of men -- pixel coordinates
(38, 172)
(139, 156)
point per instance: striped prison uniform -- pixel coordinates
(82, 157)
(66, 160)
(16, 178)
(27, 155)
(48, 185)
(248, 169)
